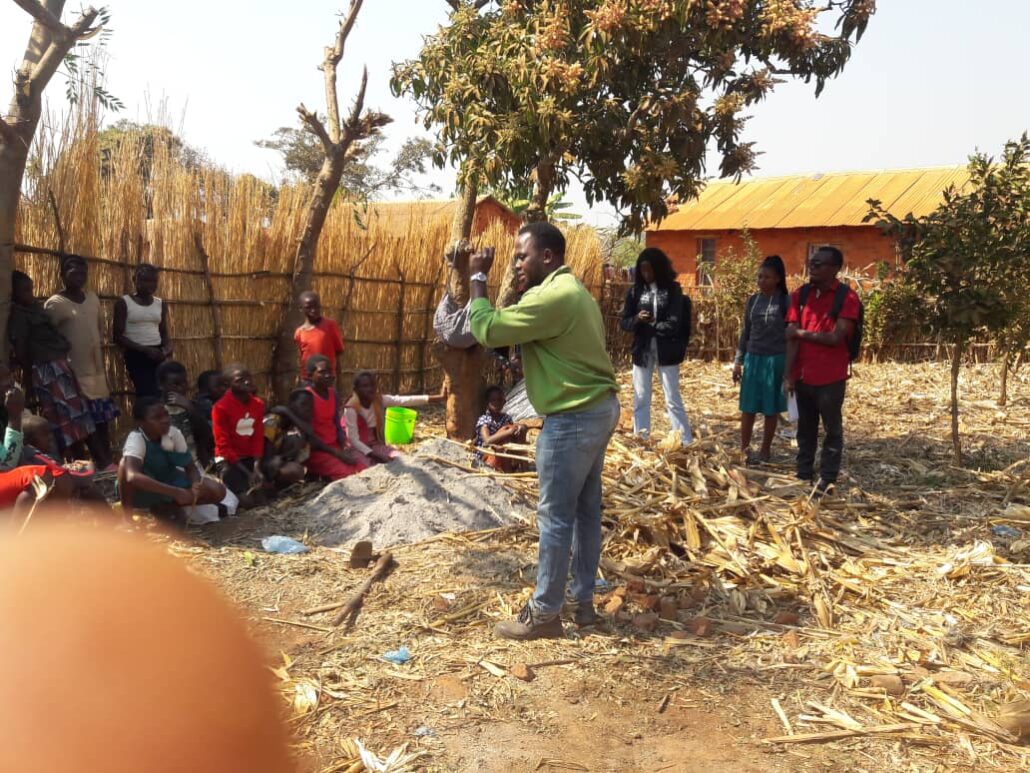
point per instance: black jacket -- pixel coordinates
(671, 326)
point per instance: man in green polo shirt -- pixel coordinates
(571, 382)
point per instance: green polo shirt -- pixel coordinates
(559, 326)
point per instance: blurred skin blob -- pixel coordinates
(116, 659)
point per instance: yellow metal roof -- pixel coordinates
(807, 201)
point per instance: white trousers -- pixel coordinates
(643, 378)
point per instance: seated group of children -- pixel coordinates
(223, 449)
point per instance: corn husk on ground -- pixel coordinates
(884, 626)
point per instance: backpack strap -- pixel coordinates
(803, 294)
(839, 297)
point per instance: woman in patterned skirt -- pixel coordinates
(75, 313)
(42, 353)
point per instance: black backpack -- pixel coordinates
(855, 341)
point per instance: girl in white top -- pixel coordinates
(141, 329)
(365, 415)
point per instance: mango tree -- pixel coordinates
(625, 96)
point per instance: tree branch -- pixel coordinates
(38, 12)
(58, 49)
(333, 56)
(316, 127)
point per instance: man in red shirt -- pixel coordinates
(817, 363)
(238, 423)
(318, 334)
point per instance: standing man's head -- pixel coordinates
(824, 265)
(654, 267)
(539, 251)
(74, 272)
(146, 280)
(240, 381)
(311, 305)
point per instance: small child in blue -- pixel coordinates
(495, 429)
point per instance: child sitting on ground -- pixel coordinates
(495, 429)
(157, 471)
(16, 479)
(211, 385)
(187, 416)
(285, 440)
(318, 334)
(365, 417)
(238, 424)
(39, 449)
(330, 458)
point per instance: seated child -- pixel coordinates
(495, 429)
(211, 385)
(330, 458)
(365, 417)
(285, 441)
(286, 446)
(187, 416)
(16, 479)
(238, 426)
(39, 449)
(157, 471)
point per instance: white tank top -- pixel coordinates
(142, 323)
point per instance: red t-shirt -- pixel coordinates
(238, 428)
(815, 364)
(322, 338)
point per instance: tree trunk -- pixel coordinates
(462, 368)
(543, 187)
(1003, 398)
(337, 140)
(285, 367)
(956, 366)
(43, 55)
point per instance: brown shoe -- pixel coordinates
(526, 626)
(583, 615)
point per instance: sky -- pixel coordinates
(931, 81)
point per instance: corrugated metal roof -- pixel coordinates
(808, 201)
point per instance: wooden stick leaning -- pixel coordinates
(353, 605)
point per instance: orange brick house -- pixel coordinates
(792, 216)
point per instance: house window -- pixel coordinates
(814, 248)
(705, 260)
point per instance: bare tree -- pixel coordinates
(338, 140)
(49, 44)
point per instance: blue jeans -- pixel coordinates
(569, 460)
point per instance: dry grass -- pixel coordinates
(913, 582)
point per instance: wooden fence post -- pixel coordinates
(426, 326)
(398, 360)
(216, 313)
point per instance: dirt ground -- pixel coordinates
(612, 699)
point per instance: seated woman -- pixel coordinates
(286, 446)
(330, 458)
(157, 471)
(495, 429)
(365, 417)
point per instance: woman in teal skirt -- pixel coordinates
(760, 357)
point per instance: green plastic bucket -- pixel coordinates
(400, 425)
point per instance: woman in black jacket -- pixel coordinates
(658, 314)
